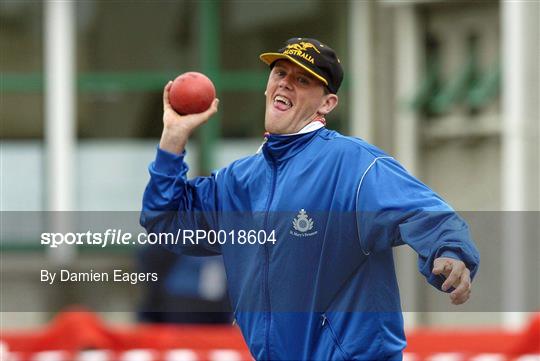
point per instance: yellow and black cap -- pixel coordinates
(313, 56)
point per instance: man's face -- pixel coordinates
(294, 98)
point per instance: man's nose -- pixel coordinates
(285, 82)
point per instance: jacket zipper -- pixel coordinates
(267, 264)
(326, 323)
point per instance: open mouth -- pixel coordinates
(282, 103)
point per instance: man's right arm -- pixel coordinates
(170, 201)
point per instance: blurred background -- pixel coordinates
(450, 88)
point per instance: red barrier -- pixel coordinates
(71, 333)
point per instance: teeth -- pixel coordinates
(283, 100)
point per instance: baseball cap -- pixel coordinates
(313, 56)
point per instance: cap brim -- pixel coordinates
(269, 58)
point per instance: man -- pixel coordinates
(326, 288)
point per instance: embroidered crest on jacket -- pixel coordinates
(303, 224)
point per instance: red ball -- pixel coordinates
(191, 93)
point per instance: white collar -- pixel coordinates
(314, 125)
(311, 127)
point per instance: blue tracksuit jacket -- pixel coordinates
(326, 288)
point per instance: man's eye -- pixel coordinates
(302, 80)
(280, 73)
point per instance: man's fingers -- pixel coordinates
(201, 118)
(458, 300)
(166, 90)
(463, 286)
(439, 266)
(213, 108)
(457, 276)
(210, 111)
(454, 276)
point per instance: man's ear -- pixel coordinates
(329, 103)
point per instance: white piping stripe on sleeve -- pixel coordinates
(358, 193)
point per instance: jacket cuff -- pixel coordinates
(168, 163)
(450, 254)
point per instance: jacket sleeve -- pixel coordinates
(172, 203)
(394, 208)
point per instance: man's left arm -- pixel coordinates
(396, 208)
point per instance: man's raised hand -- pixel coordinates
(177, 128)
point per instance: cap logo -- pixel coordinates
(299, 49)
